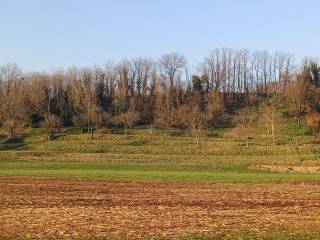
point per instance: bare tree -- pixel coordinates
(13, 107)
(245, 121)
(197, 120)
(271, 117)
(164, 112)
(13, 117)
(295, 94)
(171, 64)
(83, 96)
(142, 68)
(190, 116)
(215, 107)
(9, 73)
(125, 84)
(313, 122)
(38, 83)
(93, 116)
(127, 119)
(51, 125)
(226, 80)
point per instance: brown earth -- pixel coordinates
(71, 208)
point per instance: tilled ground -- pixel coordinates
(46, 207)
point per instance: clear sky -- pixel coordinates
(47, 34)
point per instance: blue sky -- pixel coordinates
(48, 34)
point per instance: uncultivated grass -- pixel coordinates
(156, 155)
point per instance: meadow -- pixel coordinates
(158, 154)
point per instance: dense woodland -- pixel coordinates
(229, 87)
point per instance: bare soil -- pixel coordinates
(71, 208)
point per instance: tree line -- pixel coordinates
(163, 93)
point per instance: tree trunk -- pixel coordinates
(50, 136)
(272, 131)
(198, 137)
(151, 129)
(91, 132)
(12, 133)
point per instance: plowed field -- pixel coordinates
(70, 208)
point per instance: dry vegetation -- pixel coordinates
(134, 210)
(288, 169)
(229, 85)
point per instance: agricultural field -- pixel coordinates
(157, 184)
(109, 132)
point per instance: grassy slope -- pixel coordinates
(146, 173)
(192, 173)
(155, 155)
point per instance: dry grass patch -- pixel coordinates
(287, 169)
